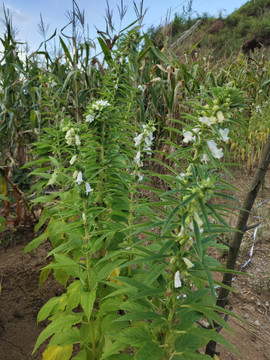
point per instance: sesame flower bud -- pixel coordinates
(188, 263)
(177, 280)
(73, 159)
(220, 116)
(77, 140)
(205, 158)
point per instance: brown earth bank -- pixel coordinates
(21, 298)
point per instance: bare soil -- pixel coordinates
(21, 298)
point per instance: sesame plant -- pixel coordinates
(137, 274)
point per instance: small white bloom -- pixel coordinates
(69, 140)
(197, 219)
(151, 137)
(88, 188)
(79, 179)
(75, 174)
(138, 139)
(224, 134)
(140, 87)
(205, 158)
(181, 231)
(140, 176)
(73, 159)
(137, 159)
(188, 263)
(188, 136)
(181, 176)
(101, 103)
(148, 143)
(191, 225)
(177, 280)
(83, 217)
(206, 120)
(215, 151)
(89, 118)
(196, 130)
(77, 140)
(116, 86)
(258, 109)
(220, 116)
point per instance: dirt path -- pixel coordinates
(20, 301)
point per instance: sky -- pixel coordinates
(26, 14)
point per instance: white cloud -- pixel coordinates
(21, 21)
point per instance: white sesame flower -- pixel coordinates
(83, 216)
(68, 137)
(141, 88)
(206, 120)
(69, 140)
(188, 136)
(196, 130)
(79, 179)
(215, 151)
(224, 134)
(181, 231)
(177, 280)
(138, 139)
(140, 176)
(89, 118)
(77, 140)
(148, 143)
(205, 158)
(88, 188)
(100, 103)
(181, 176)
(220, 116)
(75, 174)
(137, 159)
(188, 263)
(197, 219)
(73, 159)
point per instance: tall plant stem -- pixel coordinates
(86, 234)
(88, 265)
(242, 221)
(60, 162)
(242, 228)
(168, 337)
